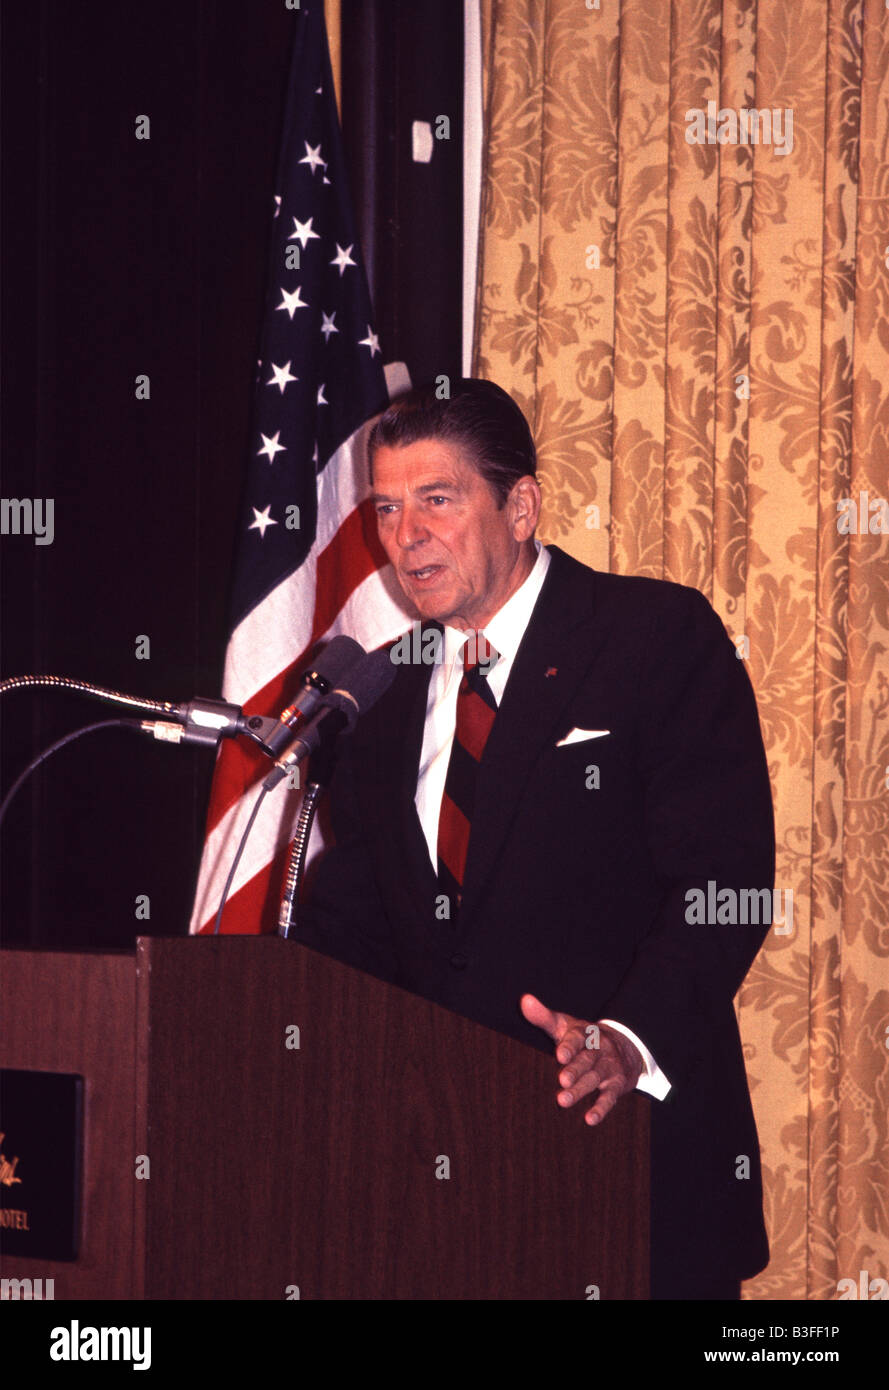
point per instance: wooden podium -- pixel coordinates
(399, 1151)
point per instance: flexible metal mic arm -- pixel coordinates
(368, 682)
(205, 721)
(87, 688)
(297, 862)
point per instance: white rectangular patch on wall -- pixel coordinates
(421, 133)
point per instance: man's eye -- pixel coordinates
(384, 508)
(438, 499)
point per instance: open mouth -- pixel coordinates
(420, 576)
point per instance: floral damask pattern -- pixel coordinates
(699, 333)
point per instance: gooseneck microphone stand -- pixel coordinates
(322, 767)
(296, 862)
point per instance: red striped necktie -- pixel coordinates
(476, 711)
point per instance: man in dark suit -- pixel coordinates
(529, 824)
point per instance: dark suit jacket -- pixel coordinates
(578, 894)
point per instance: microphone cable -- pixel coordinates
(134, 724)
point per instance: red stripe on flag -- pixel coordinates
(350, 558)
(253, 909)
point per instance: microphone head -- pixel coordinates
(335, 661)
(372, 679)
(369, 680)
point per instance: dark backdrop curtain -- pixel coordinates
(125, 257)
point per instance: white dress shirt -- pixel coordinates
(505, 632)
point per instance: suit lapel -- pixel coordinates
(556, 651)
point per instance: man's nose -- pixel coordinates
(410, 529)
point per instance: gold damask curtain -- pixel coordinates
(696, 321)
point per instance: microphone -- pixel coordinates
(369, 680)
(206, 721)
(332, 666)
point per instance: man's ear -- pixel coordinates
(524, 502)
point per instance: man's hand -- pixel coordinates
(612, 1068)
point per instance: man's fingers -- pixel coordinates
(606, 1102)
(579, 1072)
(590, 1072)
(581, 1062)
(573, 1042)
(602, 1067)
(569, 1034)
(609, 1090)
(596, 1079)
(542, 1017)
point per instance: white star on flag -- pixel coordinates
(277, 203)
(371, 341)
(271, 446)
(328, 326)
(261, 520)
(312, 156)
(291, 302)
(282, 376)
(321, 398)
(343, 258)
(302, 232)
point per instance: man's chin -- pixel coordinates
(430, 612)
(430, 606)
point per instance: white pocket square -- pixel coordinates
(580, 735)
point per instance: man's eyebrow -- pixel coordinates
(439, 485)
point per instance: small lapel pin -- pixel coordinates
(552, 671)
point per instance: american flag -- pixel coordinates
(309, 564)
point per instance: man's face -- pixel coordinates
(457, 556)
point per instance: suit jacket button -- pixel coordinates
(459, 962)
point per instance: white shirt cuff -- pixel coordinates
(652, 1081)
